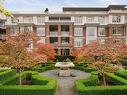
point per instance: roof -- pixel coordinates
(93, 8)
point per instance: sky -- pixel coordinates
(56, 5)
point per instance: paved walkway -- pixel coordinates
(65, 85)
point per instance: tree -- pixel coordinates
(4, 11)
(45, 49)
(16, 52)
(81, 55)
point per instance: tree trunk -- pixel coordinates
(20, 77)
(104, 80)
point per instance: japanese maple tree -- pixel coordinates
(17, 56)
(45, 49)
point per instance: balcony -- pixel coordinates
(53, 33)
(26, 21)
(53, 40)
(92, 21)
(65, 33)
(65, 41)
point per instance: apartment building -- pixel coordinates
(73, 27)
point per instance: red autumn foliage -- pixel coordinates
(45, 49)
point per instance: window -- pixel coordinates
(27, 29)
(40, 19)
(117, 30)
(116, 18)
(41, 31)
(53, 40)
(28, 19)
(42, 40)
(116, 42)
(90, 19)
(14, 20)
(91, 31)
(78, 31)
(78, 20)
(101, 32)
(101, 19)
(78, 42)
(101, 40)
(14, 31)
(65, 51)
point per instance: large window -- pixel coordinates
(40, 19)
(41, 31)
(78, 31)
(78, 19)
(117, 30)
(101, 32)
(78, 42)
(116, 18)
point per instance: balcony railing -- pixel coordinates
(54, 43)
(64, 33)
(53, 33)
(65, 43)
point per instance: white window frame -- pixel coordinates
(78, 42)
(40, 31)
(78, 31)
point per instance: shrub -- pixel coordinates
(63, 58)
(6, 74)
(88, 69)
(122, 74)
(115, 80)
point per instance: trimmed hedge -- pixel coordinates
(86, 88)
(44, 67)
(39, 87)
(115, 80)
(6, 74)
(122, 74)
(101, 90)
(90, 81)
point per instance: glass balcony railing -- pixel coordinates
(64, 33)
(53, 33)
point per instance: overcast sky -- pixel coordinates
(56, 5)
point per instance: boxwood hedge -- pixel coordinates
(41, 86)
(87, 86)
